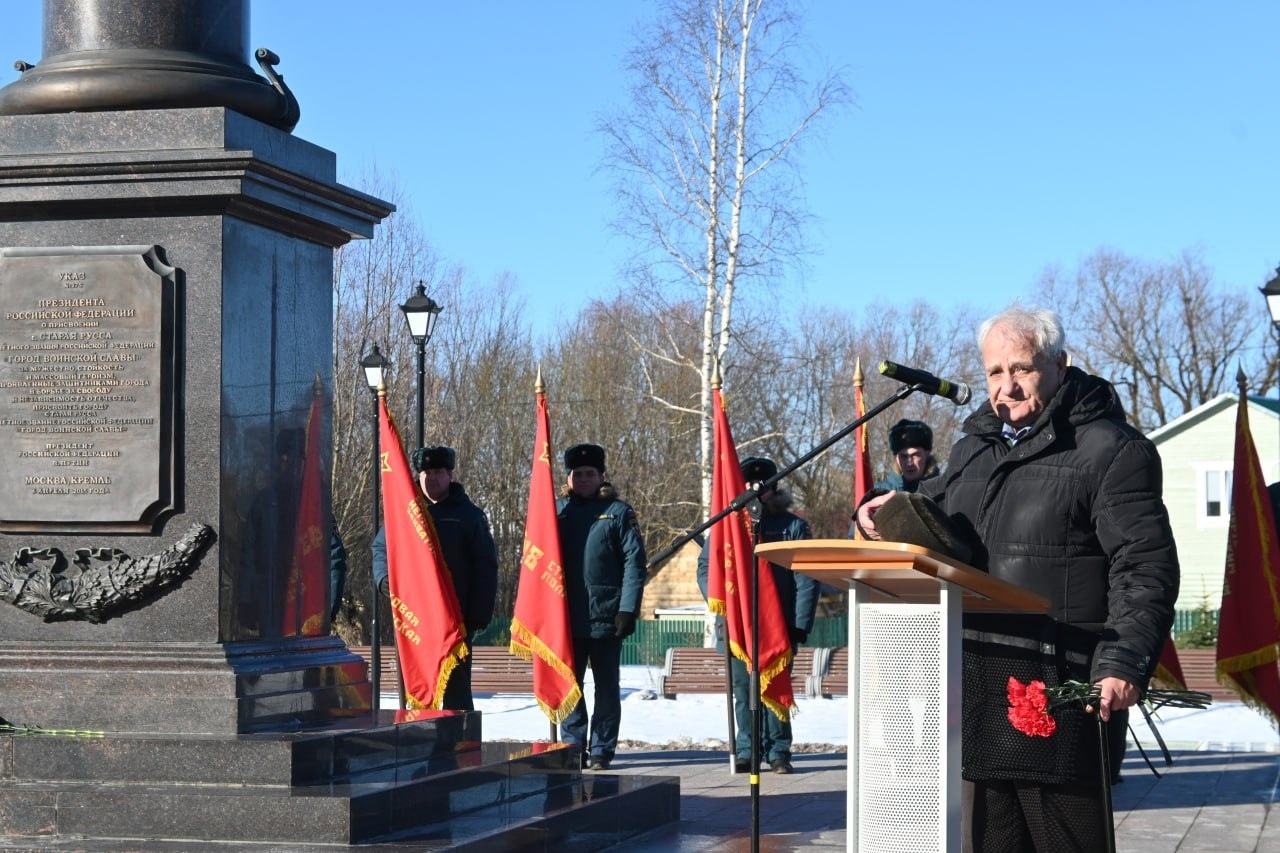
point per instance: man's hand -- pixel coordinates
(867, 514)
(797, 636)
(624, 624)
(1116, 695)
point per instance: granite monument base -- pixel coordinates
(429, 784)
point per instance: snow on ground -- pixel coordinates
(694, 721)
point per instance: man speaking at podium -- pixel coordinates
(1061, 497)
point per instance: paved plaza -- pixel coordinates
(1217, 801)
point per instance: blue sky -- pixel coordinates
(988, 140)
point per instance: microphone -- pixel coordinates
(956, 392)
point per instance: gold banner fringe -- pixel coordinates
(525, 644)
(451, 661)
(770, 671)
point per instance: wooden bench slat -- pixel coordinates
(493, 669)
(690, 669)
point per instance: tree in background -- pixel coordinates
(703, 154)
(606, 386)
(1165, 333)
(620, 373)
(370, 279)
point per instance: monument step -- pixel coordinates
(504, 796)
(330, 754)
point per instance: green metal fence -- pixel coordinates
(649, 644)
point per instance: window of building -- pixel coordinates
(1217, 495)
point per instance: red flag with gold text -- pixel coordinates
(1249, 624)
(306, 602)
(430, 636)
(729, 562)
(540, 628)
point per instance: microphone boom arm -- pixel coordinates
(742, 500)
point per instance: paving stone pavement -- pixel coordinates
(1207, 802)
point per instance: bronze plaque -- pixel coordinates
(86, 388)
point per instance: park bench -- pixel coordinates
(493, 669)
(690, 669)
(1198, 666)
(834, 679)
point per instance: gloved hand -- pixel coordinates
(384, 586)
(624, 624)
(797, 636)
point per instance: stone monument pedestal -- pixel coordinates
(180, 389)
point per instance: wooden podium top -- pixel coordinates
(899, 572)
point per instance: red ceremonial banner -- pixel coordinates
(729, 559)
(1169, 668)
(307, 600)
(1249, 623)
(430, 636)
(540, 628)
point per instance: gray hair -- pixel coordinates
(1040, 325)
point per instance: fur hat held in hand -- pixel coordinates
(916, 520)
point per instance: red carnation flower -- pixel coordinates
(1029, 708)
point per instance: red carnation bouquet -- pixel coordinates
(1031, 705)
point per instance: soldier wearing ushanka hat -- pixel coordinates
(911, 443)
(603, 556)
(797, 599)
(469, 553)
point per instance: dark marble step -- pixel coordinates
(331, 754)
(431, 781)
(595, 812)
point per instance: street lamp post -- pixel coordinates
(1271, 290)
(375, 366)
(421, 313)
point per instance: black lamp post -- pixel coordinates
(375, 366)
(421, 313)
(1271, 290)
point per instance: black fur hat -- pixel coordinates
(580, 455)
(434, 457)
(916, 520)
(908, 433)
(757, 469)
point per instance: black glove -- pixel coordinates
(797, 636)
(624, 624)
(384, 586)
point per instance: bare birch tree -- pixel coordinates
(1168, 335)
(704, 154)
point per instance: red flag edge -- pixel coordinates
(525, 644)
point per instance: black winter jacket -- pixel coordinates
(1073, 511)
(604, 560)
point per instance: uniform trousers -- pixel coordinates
(604, 654)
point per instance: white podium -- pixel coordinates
(905, 606)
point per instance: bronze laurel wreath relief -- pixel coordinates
(98, 582)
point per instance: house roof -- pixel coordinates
(1265, 406)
